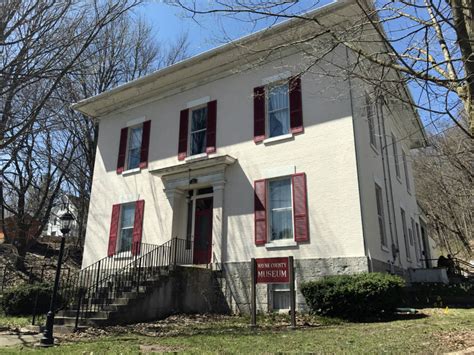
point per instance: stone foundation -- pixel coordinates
(236, 280)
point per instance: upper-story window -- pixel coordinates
(405, 167)
(395, 155)
(197, 131)
(134, 146)
(371, 121)
(278, 108)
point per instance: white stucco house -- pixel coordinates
(246, 155)
(53, 227)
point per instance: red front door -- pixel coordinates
(203, 231)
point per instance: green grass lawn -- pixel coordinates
(437, 331)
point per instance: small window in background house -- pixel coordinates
(380, 215)
(280, 297)
(405, 167)
(395, 155)
(134, 146)
(278, 119)
(197, 131)
(371, 121)
(127, 218)
(280, 209)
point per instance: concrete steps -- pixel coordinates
(109, 302)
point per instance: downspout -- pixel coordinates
(395, 246)
(367, 252)
(383, 152)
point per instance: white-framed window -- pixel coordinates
(380, 215)
(405, 167)
(134, 146)
(371, 121)
(278, 109)
(395, 155)
(280, 209)
(127, 219)
(405, 233)
(197, 130)
(280, 297)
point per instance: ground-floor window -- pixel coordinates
(127, 219)
(281, 216)
(280, 297)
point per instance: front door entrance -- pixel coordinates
(202, 231)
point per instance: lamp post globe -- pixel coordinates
(66, 224)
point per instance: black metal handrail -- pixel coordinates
(95, 272)
(99, 286)
(461, 267)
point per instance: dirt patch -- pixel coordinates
(457, 340)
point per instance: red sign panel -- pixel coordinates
(272, 271)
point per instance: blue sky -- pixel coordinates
(206, 31)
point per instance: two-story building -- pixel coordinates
(247, 151)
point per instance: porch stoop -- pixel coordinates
(177, 289)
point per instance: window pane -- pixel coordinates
(198, 142)
(278, 98)
(136, 137)
(126, 236)
(280, 209)
(133, 158)
(134, 147)
(279, 123)
(278, 116)
(199, 119)
(282, 226)
(280, 193)
(128, 215)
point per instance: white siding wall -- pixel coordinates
(371, 171)
(325, 152)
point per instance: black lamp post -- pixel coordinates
(47, 339)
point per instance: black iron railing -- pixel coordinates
(95, 287)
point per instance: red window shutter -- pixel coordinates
(114, 225)
(183, 134)
(211, 126)
(145, 144)
(259, 114)
(260, 212)
(122, 150)
(300, 207)
(296, 105)
(138, 227)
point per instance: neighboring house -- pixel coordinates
(53, 227)
(247, 158)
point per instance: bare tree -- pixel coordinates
(32, 175)
(125, 50)
(444, 178)
(428, 44)
(40, 42)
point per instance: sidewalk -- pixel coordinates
(14, 338)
